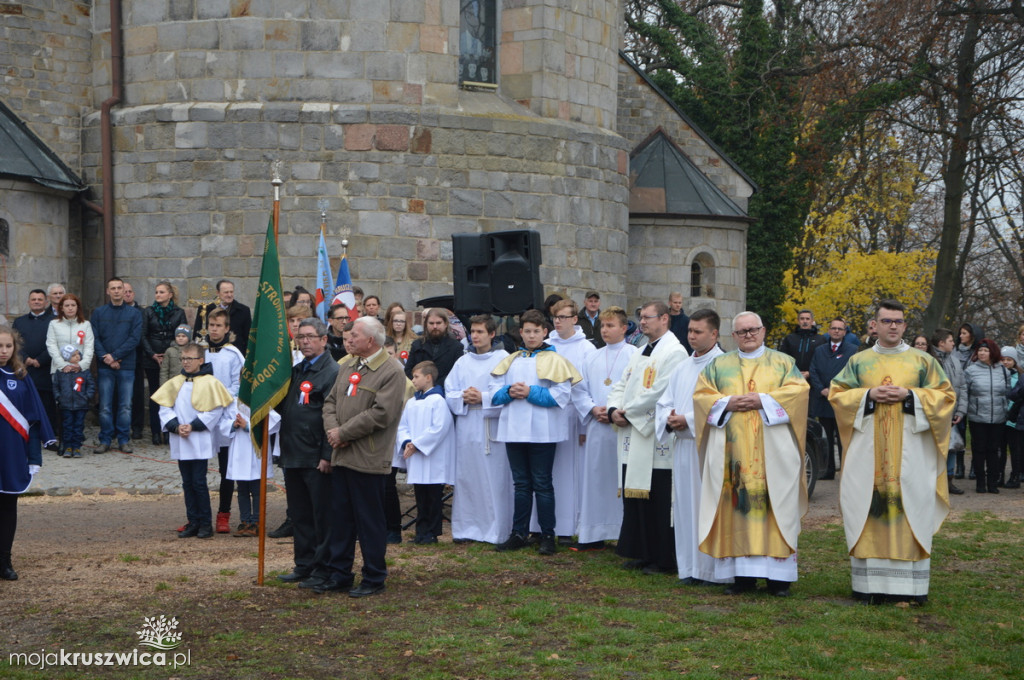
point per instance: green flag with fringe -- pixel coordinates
(268, 360)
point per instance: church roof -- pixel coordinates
(24, 156)
(663, 180)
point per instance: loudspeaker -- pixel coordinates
(498, 272)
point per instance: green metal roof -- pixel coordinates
(24, 156)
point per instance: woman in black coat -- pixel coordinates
(158, 323)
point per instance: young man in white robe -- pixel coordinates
(191, 405)
(572, 345)
(425, 448)
(646, 538)
(244, 465)
(227, 362)
(600, 506)
(674, 424)
(482, 505)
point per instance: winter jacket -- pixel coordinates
(156, 336)
(171, 365)
(303, 436)
(33, 335)
(801, 345)
(955, 372)
(68, 398)
(826, 365)
(444, 354)
(117, 331)
(65, 332)
(987, 387)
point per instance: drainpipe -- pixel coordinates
(107, 137)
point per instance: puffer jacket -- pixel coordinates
(955, 372)
(987, 387)
(68, 398)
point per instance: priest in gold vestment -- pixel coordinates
(750, 413)
(893, 406)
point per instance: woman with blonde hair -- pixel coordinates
(397, 327)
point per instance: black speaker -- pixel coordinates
(497, 273)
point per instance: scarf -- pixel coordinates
(162, 312)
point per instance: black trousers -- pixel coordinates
(153, 379)
(429, 509)
(357, 514)
(647, 532)
(392, 506)
(986, 441)
(8, 521)
(227, 486)
(833, 442)
(308, 492)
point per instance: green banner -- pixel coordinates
(268, 360)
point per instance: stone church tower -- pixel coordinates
(413, 119)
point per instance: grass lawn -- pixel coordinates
(458, 611)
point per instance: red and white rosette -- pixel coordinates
(79, 381)
(404, 354)
(353, 382)
(304, 389)
(81, 337)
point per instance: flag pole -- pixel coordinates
(264, 440)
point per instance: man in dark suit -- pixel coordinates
(239, 316)
(828, 360)
(32, 327)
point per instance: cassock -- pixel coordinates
(243, 460)
(600, 506)
(686, 474)
(566, 473)
(482, 505)
(189, 397)
(753, 489)
(646, 483)
(427, 423)
(894, 493)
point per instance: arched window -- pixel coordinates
(478, 30)
(702, 277)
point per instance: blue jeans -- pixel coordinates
(249, 500)
(72, 434)
(197, 494)
(122, 380)
(531, 465)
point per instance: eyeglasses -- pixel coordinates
(747, 332)
(650, 317)
(562, 317)
(307, 336)
(892, 322)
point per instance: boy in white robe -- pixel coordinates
(673, 420)
(600, 506)
(567, 473)
(244, 464)
(482, 506)
(226, 362)
(191, 405)
(426, 447)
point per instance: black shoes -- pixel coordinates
(514, 542)
(954, 489)
(205, 531)
(283, 531)
(742, 584)
(294, 577)
(634, 565)
(394, 537)
(425, 540)
(365, 589)
(547, 545)
(312, 582)
(7, 572)
(332, 585)
(158, 439)
(189, 530)
(652, 569)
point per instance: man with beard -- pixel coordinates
(674, 417)
(435, 345)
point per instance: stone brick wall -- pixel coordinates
(559, 58)
(642, 110)
(46, 68)
(193, 191)
(661, 251)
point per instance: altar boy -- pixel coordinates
(426, 449)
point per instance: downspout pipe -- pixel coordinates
(107, 137)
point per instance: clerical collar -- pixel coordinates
(902, 347)
(752, 355)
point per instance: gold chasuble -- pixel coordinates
(754, 491)
(894, 492)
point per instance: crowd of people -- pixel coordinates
(575, 427)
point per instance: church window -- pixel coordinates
(478, 30)
(702, 276)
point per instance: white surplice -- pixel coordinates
(567, 470)
(428, 424)
(482, 505)
(600, 506)
(199, 444)
(686, 480)
(243, 463)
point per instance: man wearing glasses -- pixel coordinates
(646, 538)
(893, 408)
(750, 413)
